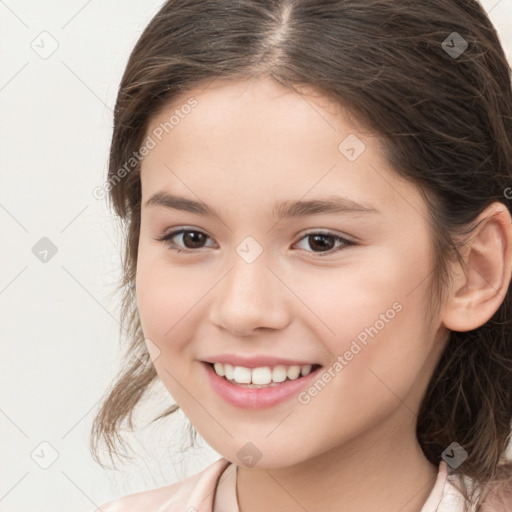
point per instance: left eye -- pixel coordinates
(196, 238)
(319, 240)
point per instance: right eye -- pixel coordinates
(189, 236)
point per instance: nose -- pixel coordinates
(250, 298)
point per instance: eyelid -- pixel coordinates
(166, 239)
(346, 241)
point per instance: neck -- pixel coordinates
(368, 474)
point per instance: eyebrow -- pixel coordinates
(285, 209)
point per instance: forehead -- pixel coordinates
(264, 98)
(260, 138)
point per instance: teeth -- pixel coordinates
(293, 372)
(306, 369)
(261, 376)
(219, 369)
(279, 373)
(228, 371)
(242, 375)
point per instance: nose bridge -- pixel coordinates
(249, 282)
(250, 295)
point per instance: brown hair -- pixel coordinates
(445, 113)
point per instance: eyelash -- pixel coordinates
(171, 245)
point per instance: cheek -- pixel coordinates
(367, 382)
(354, 303)
(168, 300)
(374, 324)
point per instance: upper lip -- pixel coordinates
(255, 361)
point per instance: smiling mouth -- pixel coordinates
(263, 376)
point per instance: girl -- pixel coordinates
(316, 196)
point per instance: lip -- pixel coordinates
(255, 361)
(256, 398)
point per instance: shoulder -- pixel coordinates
(195, 491)
(499, 499)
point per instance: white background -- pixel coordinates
(59, 343)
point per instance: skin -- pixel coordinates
(245, 146)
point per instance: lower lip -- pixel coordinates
(257, 398)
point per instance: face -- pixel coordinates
(342, 289)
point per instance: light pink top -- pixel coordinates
(214, 490)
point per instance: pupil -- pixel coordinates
(196, 238)
(322, 245)
(193, 235)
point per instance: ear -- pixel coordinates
(478, 292)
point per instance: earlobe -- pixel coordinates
(478, 292)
